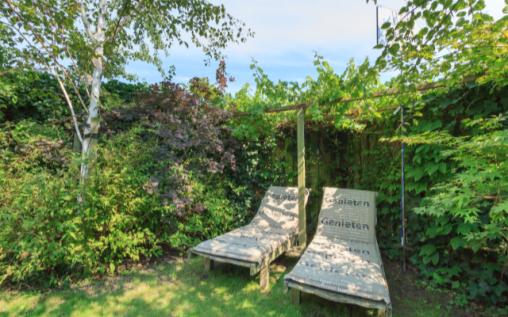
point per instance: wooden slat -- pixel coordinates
(208, 263)
(296, 295)
(337, 297)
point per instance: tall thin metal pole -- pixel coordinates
(377, 25)
(302, 221)
(402, 192)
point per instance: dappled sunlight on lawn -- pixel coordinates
(177, 289)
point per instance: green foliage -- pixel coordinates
(157, 184)
(7, 53)
(357, 145)
(34, 94)
(323, 93)
(456, 132)
(184, 164)
(46, 234)
(116, 94)
(29, 94)
(468, 217)
(194, 152)
(51, 34)
(31, 147)
(82, 42)
(455, 41)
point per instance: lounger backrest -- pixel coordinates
(279, 208)
(348, 214)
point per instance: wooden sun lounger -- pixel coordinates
(272, 231)
(343, 263)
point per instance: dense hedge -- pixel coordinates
(160, 181)
(456, 184)
(173, 169)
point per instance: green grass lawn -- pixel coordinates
(182, 288)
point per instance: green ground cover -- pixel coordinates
(181, 288)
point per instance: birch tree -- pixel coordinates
(81, 42)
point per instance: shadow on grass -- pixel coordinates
(179, 289)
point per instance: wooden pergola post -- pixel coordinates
(302, 221)
(300, 134)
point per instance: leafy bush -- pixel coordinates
(46, 234)
(29, 94)
(467, 231)
(158, 183)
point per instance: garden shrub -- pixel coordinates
(159, 182)
(46, 234)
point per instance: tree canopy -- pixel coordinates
(82, 41)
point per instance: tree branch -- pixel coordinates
(120, 20)
(74, 87)
(71, 108)
(62, 87)
(85, 21)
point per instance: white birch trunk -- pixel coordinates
(92, 122)
(91, 129)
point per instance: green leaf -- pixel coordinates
(427, 250)
(457, 243)
(393, 49)
(435, 258)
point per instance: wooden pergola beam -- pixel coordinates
(288, 108)
(380, 94)
(376, 95)
(275, 110)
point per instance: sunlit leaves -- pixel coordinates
(452, 40)
(52, 31)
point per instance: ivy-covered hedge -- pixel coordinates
(456, 182)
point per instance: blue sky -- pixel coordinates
(287, 35)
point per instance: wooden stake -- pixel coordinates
(264, 277)
(296, 296)
(302, 230)
(208, 264)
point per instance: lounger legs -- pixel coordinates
(385, 312)
(296, 296)
(208, 264)
(264, 277)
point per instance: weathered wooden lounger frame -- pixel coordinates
(295, 289)
(263, 269)
(255, 267)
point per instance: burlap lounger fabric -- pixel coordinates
(344, 257)
(272, 231)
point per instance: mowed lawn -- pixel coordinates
(180, 287)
